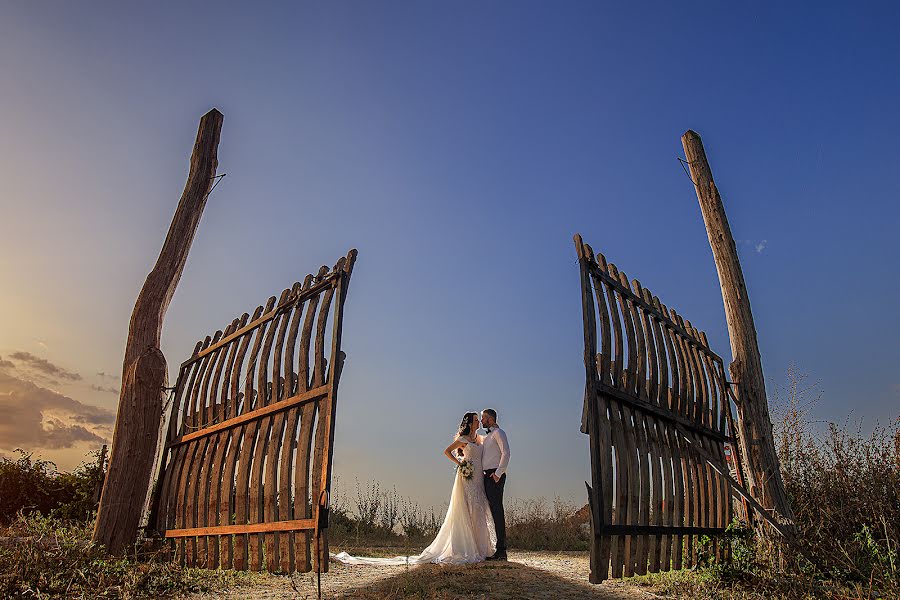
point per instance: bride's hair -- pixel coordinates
(465, 426)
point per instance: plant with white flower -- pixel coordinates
(466, 469)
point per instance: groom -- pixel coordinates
(494, 459)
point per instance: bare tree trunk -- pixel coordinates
(144, 373)
(754, 425)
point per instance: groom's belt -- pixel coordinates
(490, 471)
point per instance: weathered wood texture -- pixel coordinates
(144, 372)
(249, 443)
(754, 424)
(656, 411)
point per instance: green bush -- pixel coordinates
(35, 486)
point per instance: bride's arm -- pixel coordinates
(456, 444)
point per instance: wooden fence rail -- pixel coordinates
(248, 452)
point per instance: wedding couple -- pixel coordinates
(474, 528)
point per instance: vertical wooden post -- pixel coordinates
(144, 373)
(590, 419)
(754, 425)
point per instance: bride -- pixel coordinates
(467, 534)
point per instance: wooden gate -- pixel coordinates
(235, 488)
(657, 410)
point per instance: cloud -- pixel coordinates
(36, 417)
(6, 364)
(104, 375)
(759, 246)
(100, 388)
(44, 366)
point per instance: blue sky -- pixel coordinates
(458, 147)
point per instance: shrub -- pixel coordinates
(35, 486)
(844, 488)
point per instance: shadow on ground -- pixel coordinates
(500, 581)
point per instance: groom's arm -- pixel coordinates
(504, 453)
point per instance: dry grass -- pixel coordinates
(844, 488)
(845, 491)
(54, 559)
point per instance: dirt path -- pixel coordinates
(552, 575)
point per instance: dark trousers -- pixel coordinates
(494, 492)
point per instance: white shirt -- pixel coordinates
(495, 453)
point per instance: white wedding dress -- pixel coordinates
(467, 534)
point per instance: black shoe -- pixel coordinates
(497, 556)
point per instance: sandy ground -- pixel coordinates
(556, 575)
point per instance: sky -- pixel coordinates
(458, 147)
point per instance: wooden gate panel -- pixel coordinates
(656, 410)
(253, 411)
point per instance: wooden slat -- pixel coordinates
(617, 552)
(700, 400)
(605, 438)
(217, 496)
(591, 417)
(712, 389)
(249, 445)
(302, 543)
(645, 497)
(286, 490)
(629, 451)
(617, 544)
(655, 546)
(618, 354)
(633, 485)
(631, 383)
(294, 525)
(235, 439)
(198, 455)
(671, 392)
(190, 418)
(706, 391)
(606, 475)
(686, 392)
(699, 500)
(209, 488)
(694, 411)
(605, 333)
(678, 471)
(258, 559)
(668, 514)
(638, 371)
(273, 558)
(324, 407)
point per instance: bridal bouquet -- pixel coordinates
(465, 468)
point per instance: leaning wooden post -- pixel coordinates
(754, 425)
(144, 373)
